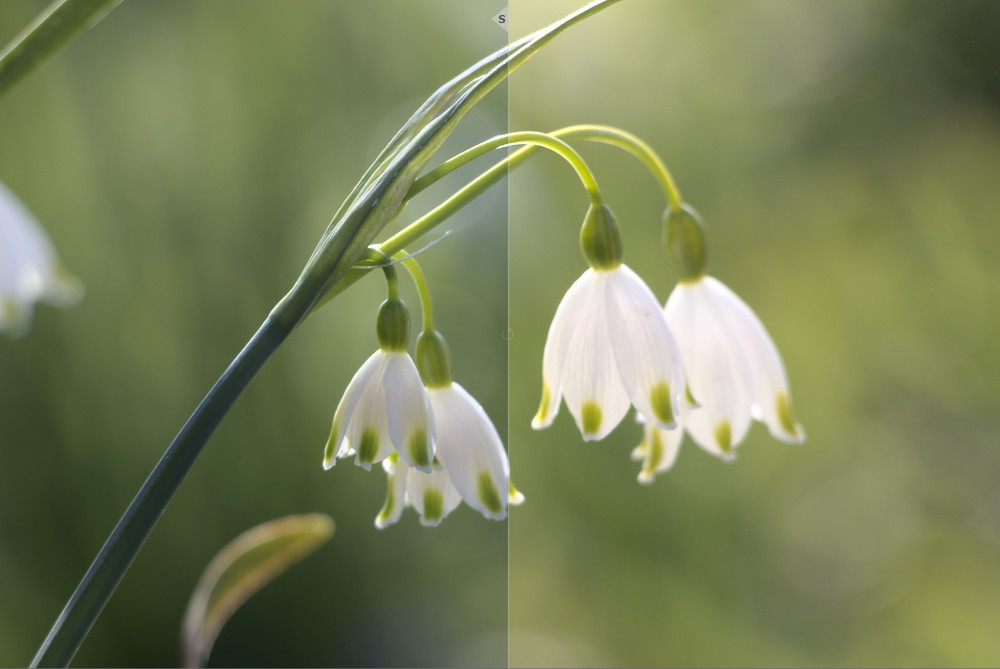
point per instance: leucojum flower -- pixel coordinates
(734, 371)
(436, 444)
(609, 345)
(703, 364)
(29, 269)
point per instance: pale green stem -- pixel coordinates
(539, 139)
(426, 310)
(52, 30)
(535, 140)
(625, 140)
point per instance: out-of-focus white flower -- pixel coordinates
(470, 449)
(609, 346)
(385, 407)
(658, 449)
(734, 371)
(29, 269)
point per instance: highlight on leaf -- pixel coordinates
(241, 569)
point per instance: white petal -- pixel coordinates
(367, 430)
(717, 375)
(29, 270)
(659, 450)
(590, 383)
(432, 495)
(767, 379)
(368, 376)
(470, 449)
(411, 425)
(564, 324)
(648, 359)
(395, 498)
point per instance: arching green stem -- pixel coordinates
(605, 134)
(426, 309)
(539, 139)
(379, 259)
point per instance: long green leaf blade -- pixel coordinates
(242, 568)
(53, 29)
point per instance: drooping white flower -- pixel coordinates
(29, 270)
(609, 346)
(658, 449)
(433, 494)
(470, 449)
(384, 408)
(734, 371)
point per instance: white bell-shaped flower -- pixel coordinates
(432, 495)
(734, 371)
(609, 346)
(470, 449)
(658, 449)
(29, 270)
(385, 406)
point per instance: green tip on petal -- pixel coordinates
(329, 453)
(689, 397)
(543, 407)
(724, 438)
(659, 397)
(590, 416)
(419, 454)
(785, 417)
(488, 493)
(368, 448)
(653, 457)
(514, 496)
(433, 507)
(390, 503)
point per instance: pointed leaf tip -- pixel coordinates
(242, 568)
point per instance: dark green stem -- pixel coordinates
(128, 536)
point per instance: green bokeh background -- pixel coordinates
(846, 159)
(185, 156)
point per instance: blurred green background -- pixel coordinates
(846, 159)
(185, 157)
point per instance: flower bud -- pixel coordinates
(393, 325)
(433, 360)
(600, 239)
(684, 238)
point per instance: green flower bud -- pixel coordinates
(433, 359)
(684, 237)
(600, 238)
(393, 325)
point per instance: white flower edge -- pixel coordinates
(657, 451)
(29, 269)
(609, 346)
(734, 370)
(471, 451)
(432, 495)
(384, 408)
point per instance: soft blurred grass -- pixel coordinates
(844, 156)
(185, 158)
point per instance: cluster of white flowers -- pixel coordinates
(703, 363)
(435, 442)
(29, 270)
